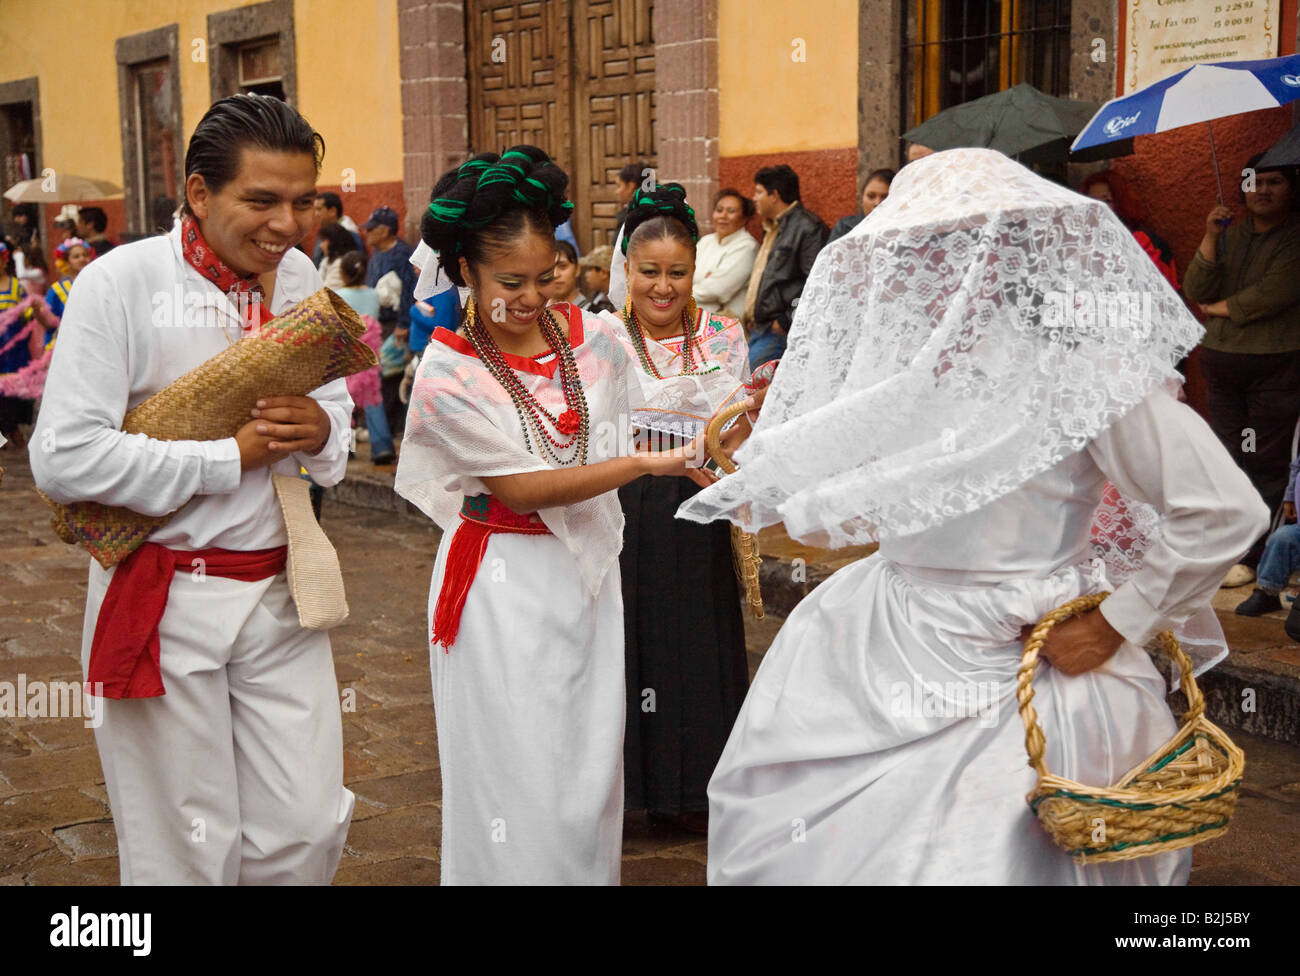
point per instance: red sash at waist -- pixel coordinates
(124, 653)
(480, 517)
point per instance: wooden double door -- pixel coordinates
(574, 77)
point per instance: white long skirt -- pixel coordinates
(530, 710)
(881, 744)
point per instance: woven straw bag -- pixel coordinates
(744, 547)
(310, 344)
(1180, 795)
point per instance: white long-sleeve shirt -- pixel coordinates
(722, 269)
(1160, 452)
(141, 317)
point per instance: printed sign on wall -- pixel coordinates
(1168, 36)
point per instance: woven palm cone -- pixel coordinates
(310, 344)
(1180, 795)
(744, 547)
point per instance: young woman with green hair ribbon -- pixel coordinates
(515, 446)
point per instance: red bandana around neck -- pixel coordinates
(245, 292)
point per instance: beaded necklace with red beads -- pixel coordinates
(689, 318)
(572, 423)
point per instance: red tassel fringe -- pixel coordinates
(468, 547)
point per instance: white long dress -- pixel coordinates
(880, 742)
(530, 698)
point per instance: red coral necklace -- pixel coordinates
(572, 423)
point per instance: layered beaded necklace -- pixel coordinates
(689, 318)
(571, 426)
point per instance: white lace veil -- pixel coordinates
(983, 325)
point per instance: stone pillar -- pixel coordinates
(435, 98)
(1091, 22)
(1093, 80)
(880, 85)
(686, 98)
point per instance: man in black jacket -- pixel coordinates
(792, 236)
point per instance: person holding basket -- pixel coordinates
(962, 380)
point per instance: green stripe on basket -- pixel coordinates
(1089, 798)
(1183, 748)
(1125, 845)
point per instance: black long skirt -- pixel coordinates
(685, 638)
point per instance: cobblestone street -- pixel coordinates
(55, 826)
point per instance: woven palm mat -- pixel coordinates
(314, 342)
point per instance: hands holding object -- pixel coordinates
(284, 425)
(1218, 220)
(1080, 643)
(731, 439)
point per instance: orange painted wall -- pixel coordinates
(827, 180)
(775, 108)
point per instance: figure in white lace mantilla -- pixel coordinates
(966, 371)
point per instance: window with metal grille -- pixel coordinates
(958, 50)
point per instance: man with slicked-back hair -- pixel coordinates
(220, 734)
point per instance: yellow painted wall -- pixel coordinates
(769, 102)
(348, 76)
(350, 85)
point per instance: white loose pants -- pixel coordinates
(235, 775)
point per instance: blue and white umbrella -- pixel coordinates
(1201, 93)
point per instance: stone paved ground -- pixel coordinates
(55, 826)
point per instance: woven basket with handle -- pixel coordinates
(1180, 795)
(306, 346)
(744, 547)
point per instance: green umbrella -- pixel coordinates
(1021, 122)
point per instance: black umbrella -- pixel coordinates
(1286, 151)
(1021, 122)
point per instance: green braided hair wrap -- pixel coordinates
(485, 188)
(665, 200)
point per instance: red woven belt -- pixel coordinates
(481, 516)
(124, 653)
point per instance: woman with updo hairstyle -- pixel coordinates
(516, 443)
(685, 636)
